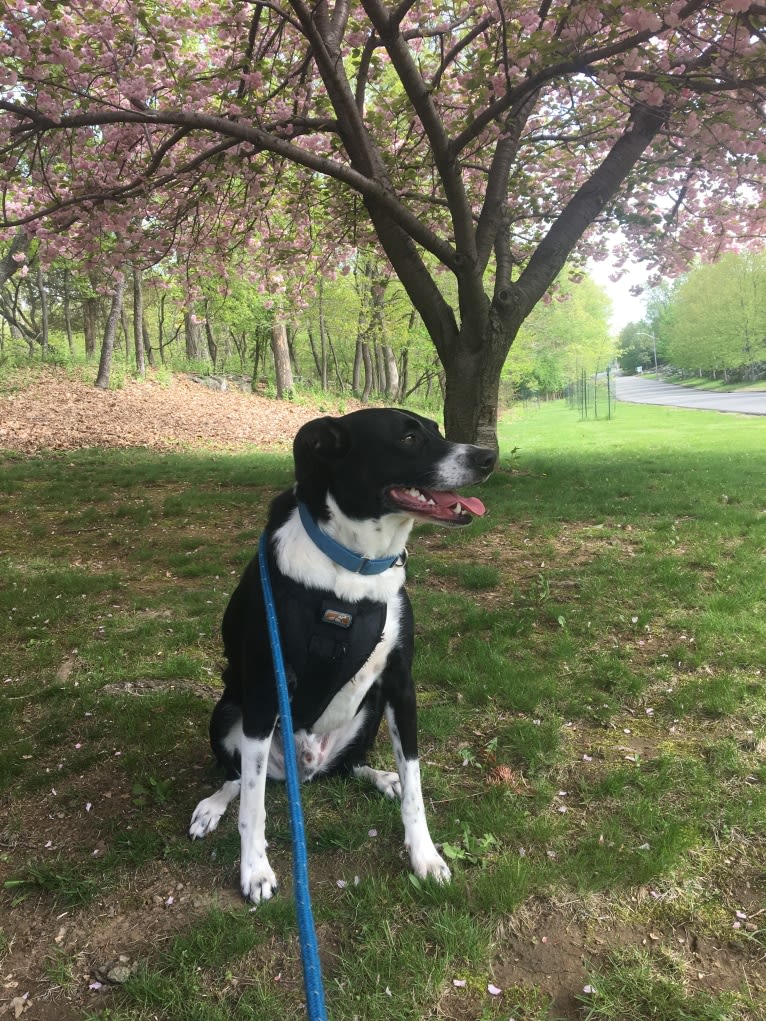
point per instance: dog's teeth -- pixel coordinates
(458, 508)
(431, 503)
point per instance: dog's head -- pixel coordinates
(384, 461)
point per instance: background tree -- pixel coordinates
(636, 347)
(488, 141)
(563, 336)
(658, 320)
(717, 322)
(110, 332)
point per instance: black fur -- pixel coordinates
(367, 476)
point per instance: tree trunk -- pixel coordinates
(379, 367)
(125, 323)
(292, 333)
(259, 355)
(161, 327)
(43, 310)
(9, 265)
(338, 374)
(90, 325)
(404, 372)
(472, 387)
(314, 353)
(281, 354)
(212, 346)
(138, 321)
(356, 376)
(368, 379)
(110, 332)
(68, 313)
(195, 349)
(146, 337)
(322, 338)
(392, 372)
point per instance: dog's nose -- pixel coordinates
(483, 459)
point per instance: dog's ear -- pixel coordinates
(325, 438)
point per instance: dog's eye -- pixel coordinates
(408, 439)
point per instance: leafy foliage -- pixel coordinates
(712, 321)
(490, 143)
(562, 337)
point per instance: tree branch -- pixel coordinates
(418, 94)
(9, 265)
(496, 193)
(581, 63)
(582, 209)
(365, 185)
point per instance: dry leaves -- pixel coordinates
(59, 413)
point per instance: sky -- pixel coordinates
(625, 307)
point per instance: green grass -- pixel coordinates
(590, 662)
(703, 383)
(638, 986)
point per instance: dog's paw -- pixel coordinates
(257, 881)
(388, 783)
(206, 817)
(385, 781)
(427, 863)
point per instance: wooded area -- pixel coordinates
(480, 146)
(357, 335)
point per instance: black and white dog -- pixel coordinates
(336, 554)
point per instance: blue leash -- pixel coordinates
(312, 969)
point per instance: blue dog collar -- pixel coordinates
(341, 554)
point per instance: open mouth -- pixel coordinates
(435, 505)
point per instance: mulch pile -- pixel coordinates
(56, 412)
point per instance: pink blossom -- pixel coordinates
(642, 20)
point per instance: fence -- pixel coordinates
(592, 395)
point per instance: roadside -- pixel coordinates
(713, 385)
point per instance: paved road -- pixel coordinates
(637, 390)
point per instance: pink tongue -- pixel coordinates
(448, 500)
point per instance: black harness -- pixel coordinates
(325, 642)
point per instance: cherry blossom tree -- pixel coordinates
(483, 140)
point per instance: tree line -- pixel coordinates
(354, 332)
(709, 322)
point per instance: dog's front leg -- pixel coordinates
(257, 878)
(425, 859)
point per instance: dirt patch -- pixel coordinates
(64, 962)
(150, 686)
(557, 950)
(57, 412)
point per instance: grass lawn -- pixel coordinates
(703, 383)
(590, 660)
